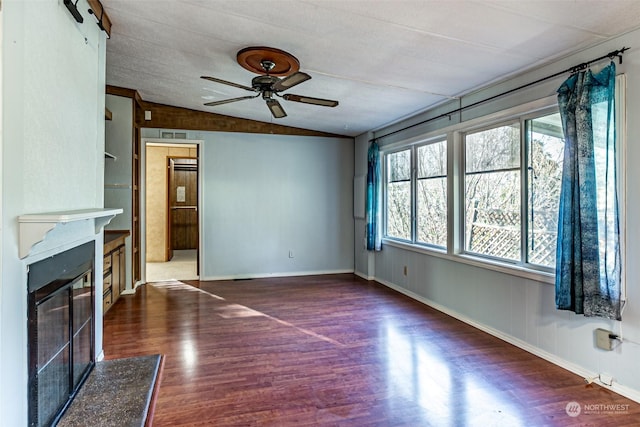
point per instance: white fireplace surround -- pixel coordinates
(36, 228)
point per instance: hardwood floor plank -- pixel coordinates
(337, 351)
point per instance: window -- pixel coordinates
(511, 177)
(497, 187)
(432, 194)
(499, 205)
(416, 208)
(544, 178)
(398, 204)
(492, 192)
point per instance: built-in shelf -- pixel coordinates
(118, 186)
(35, 227)
(108, 155)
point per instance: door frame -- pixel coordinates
(170, 178)
(143, 197)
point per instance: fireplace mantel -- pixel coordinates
(35, 227)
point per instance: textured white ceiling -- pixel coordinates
(382, 60)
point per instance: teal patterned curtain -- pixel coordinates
(588, 252)
(374, 223)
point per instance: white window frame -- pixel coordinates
(522, 119)
(413, 149)
(463, 150)
(385, 172)
(415, 195)
(455, 183)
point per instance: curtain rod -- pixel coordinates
(580, 67)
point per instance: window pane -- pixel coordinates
(399, 210)
(497, 148)
(432, 194)
(399, 194)
(432, 211)
(400, 166)
(605, 164)
(432, 160)
(492, 192)
(546, 153)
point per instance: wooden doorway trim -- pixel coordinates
(188, 163)
(145, 144)
(168, 247)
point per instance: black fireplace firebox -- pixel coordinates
(61, 331)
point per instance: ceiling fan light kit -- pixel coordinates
(278, 71)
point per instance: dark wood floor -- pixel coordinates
(338, 351)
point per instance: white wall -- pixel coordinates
(364, 260)
(266, 195)
(520, 310)
(118, 174)
(53, 73)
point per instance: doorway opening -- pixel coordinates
(172, 226)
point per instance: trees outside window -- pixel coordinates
(544, 173)
(399, 195)
(416, 207)
(492, 192)
(431, 197)
(510, 186)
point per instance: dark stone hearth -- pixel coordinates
(117, 393)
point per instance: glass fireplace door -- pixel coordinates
(61, 331)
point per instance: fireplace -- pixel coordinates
(61, 328)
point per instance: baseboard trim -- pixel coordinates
(281, 274)
(364, 276)
(622, 390)
(134, 290)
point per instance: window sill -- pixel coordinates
(502, 267)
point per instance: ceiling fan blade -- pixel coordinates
(310, 100)
(224, 82)
(226, 101)
(290, 81)
(276, 109)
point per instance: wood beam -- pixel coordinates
(168, 117)
(121, 91)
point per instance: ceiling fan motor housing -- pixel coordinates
(263, 83)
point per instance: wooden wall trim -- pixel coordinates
(168, 117)
(127, 93)
(121, 91)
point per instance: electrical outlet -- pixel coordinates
(603, 341)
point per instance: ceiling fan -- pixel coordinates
(270, 63)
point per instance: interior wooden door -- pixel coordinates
(183, 203)
(170, 204)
